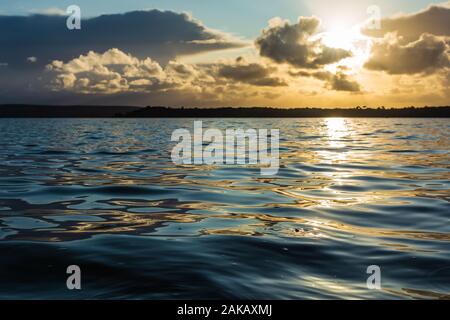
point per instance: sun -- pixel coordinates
(351, 39)
(340, 37)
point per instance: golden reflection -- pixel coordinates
(336, 130)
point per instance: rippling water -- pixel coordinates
(104, 195)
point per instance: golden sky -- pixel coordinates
(320, 60)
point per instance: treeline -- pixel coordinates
(66, 111)
(45, 111)
(267, 112)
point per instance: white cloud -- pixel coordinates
(111, 72)
(52, 11)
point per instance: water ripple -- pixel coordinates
(104, 194)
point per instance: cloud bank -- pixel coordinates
(137, 58)
(163, 35)
(413, 43)
(433, 20)
(427, 54)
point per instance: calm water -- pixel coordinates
(104, 195)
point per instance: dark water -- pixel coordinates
(104, 195)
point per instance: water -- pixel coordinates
(104, 195)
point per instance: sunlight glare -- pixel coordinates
(336, 127)
(349, 39)
(340, 38)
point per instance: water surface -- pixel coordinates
(103, 194)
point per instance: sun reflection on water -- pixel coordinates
(336, 130)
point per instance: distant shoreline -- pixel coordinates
(45, 111)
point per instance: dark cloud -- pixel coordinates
(293, 44)
(162, 35)
(412, 43)
(29, 43)
(338, 82)
(341, 82)
(433, 20)
(428, 54)
(250, 73)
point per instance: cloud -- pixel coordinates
(115, 77)
(250, 73)
(427, 54)
(114, 71)
(162, 35)
(111, 72)
(341, 82)
(49, 11)
(338, 81)
(433, 20)
(131, 59)
(417, 43)
(295, 44)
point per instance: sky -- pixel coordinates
(210, 53)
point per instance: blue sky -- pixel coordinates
(242, 17)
